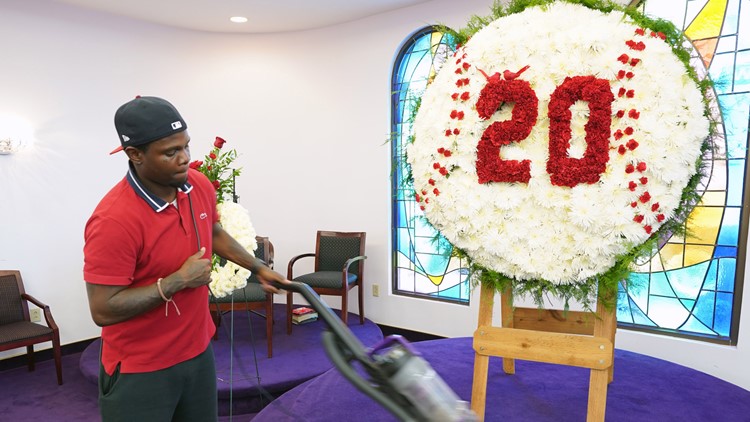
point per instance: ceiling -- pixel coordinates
(264, 16)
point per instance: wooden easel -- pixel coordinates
(577, 339)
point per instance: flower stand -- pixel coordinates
(575, 338)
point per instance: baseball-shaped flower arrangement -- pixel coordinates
(558, 142)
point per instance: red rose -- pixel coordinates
(443, 171)
(621, 113)
(454, 95)
(660, 218)
(638, 218)
(212, 155)
(644, 180)
(621, 149)
(641, 166)
(436, 191)
(645, 197)
(456, 131)
(219, 142)
(431, 181)
(640, 31)
(447, 153)
(216, 184)
(623, 58)
(633, 204)
(632, 185)
(195, 164)
(630, 93)
(655, 206)
(634, 61)
(648, 229)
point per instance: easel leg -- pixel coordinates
(506, 313)
(482, 361)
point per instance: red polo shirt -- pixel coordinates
(133, 238)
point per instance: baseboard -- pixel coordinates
(42, 355)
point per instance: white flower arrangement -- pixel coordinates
(535, 224)
(235, 219)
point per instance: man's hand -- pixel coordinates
(267, 276)
(196, 271)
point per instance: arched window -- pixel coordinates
(422, 262)
(692, 285)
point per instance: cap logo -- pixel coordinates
(125, 138)
(176, 125)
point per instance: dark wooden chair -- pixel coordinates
(250, 298)
(339, 267)
(16, 328)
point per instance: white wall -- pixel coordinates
(308, 112)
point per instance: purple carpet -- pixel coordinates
(296, 358)
(644, 389)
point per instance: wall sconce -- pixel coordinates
(15, 134)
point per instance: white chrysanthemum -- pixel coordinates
(235, 220)
(538, 230)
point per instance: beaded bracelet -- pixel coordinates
(163, 296)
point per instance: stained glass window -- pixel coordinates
(422, 262)
(689, 286)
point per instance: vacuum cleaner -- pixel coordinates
(392, 372)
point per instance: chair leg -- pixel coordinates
(344, 310)
(58, 356)
(289, 313)
(30, 356)
(361, 305)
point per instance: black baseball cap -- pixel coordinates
(146, 119)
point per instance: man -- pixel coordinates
(147, 264)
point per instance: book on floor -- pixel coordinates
(304, 315)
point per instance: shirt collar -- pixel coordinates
(156, 203)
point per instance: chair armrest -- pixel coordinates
(289, 274)
(29, 298)
(350, 261)
(45, 308)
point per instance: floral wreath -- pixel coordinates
(552, 154)
(226, 276)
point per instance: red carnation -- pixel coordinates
(219, 142)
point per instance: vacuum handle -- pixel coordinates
(339, 329)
